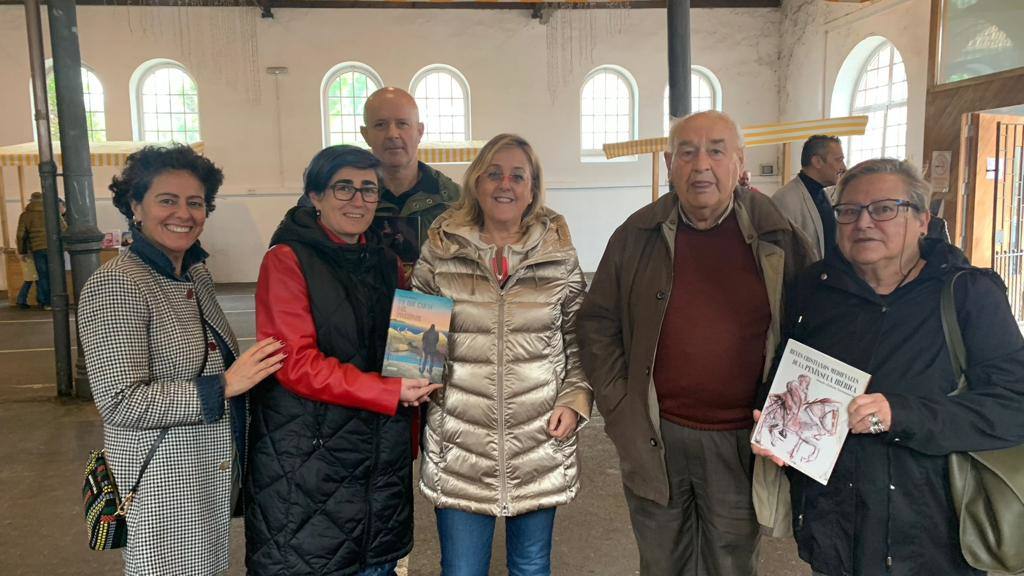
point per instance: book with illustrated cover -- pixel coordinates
(418, 336)
(804, 421)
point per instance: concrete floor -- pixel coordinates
(45, 443)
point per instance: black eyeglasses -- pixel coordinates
(345, 192)
(879, 210)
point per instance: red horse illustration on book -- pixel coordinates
(790, 412)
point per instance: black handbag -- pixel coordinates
(987, 486)
(105, 510)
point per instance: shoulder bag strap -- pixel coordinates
(951, 329)
(127, 500)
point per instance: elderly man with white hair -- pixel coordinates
(677, 334)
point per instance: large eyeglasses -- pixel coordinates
(345, 192)
(879, 210)
(497, 176)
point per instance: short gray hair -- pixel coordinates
(919, 191)
(673, 139)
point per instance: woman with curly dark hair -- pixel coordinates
(165, 370)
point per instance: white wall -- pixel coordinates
(503, 54)
(818, 36)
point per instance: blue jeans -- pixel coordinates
(23, 293)
(466, 542)
(43, 273)
(379, 570)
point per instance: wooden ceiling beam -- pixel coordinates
(267, 6)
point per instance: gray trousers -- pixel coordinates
(709, 527)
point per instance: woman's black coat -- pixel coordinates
(887, 507)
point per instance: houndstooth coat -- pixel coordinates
(144, 347)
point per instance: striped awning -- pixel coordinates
(762, 135)
(101, 153)
(440, 152)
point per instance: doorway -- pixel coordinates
(992, 149)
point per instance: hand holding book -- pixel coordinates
(867, 410)
(416, 391)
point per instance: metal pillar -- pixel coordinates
(83, 237)
(48, 179)
(678, 58)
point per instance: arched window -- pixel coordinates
(166, 103)
(607, 110)
(345, 90)
(442, 95)
(705, 93)
(880, 93)
(92, 97)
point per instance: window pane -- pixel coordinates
(881, 95)
(606, 110)
(169, 105)
(702, 97)
(347, 92)
(443, 105)
(92, 100)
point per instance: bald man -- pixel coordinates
(393, 130)
(677, 335)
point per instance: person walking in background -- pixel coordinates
(32, 242)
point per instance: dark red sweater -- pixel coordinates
(710, 355)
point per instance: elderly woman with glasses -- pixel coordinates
(330, 483)
(875, 305)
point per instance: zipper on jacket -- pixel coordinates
(318, 417)
(499, 377)
(502, 488)
(369, 486)
(888, 510)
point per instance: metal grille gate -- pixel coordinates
(1008, 215)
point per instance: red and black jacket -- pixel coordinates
(330, 484)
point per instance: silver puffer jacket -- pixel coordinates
(513, 358)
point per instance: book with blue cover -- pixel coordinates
(418, 336)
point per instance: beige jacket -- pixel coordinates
(513, 358)
(795, 202)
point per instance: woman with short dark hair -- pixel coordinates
(165, 370)
(330, 484)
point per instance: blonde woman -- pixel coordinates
(501, 435)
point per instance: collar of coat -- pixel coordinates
(431, 182)
(547, 236)
(756, 213)
(941, 260)
(156, 259)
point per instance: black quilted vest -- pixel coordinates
(329, 489)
